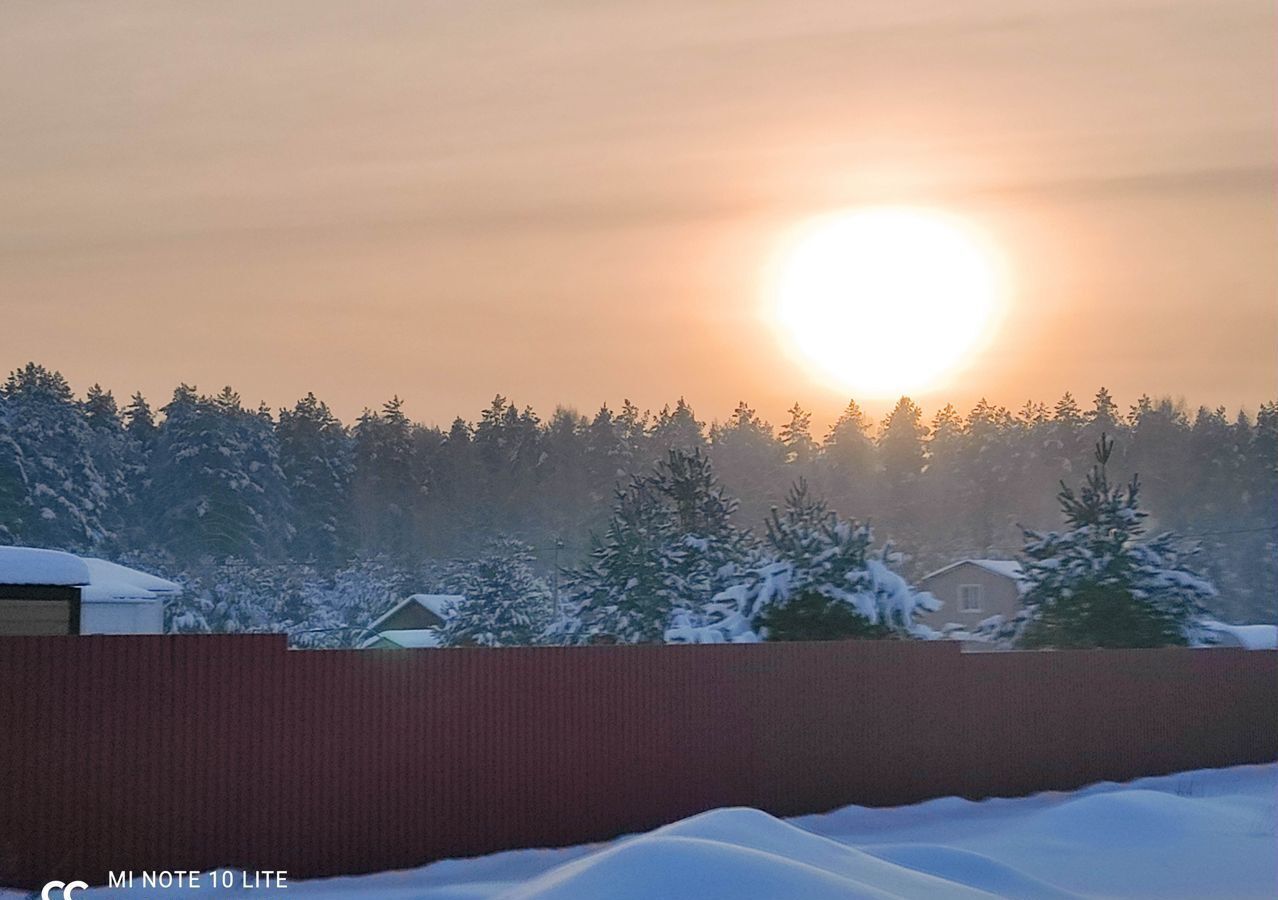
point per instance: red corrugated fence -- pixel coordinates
(192, 752)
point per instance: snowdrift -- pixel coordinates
(1198, 834)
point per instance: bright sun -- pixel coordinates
(886, 300)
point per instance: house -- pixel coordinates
(51, 592)
(973, 590)
(413, 623)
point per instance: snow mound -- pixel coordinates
(734, 854)
(1187, 836)
(970, 868)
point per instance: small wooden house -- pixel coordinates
(412, 623)
(973, 590)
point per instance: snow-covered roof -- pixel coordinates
(99, 580)
(29, 565)
(408, 638)
(441, 605)
(1008, 568)
(110, 581)
(1249, 637)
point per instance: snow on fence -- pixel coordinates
(191, 752)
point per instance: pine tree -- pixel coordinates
(51, 489)
(384, 489)
(847, 445)
(623, 593)
(139, 422)
(749, 459)
(796, 436)
(216, 486)
(1099, 584)
(669, 546)
(506, 604)
(316, 458)
(901, 443)
(677, 429)
(823, 582)
(15, 510)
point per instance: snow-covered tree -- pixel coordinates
(315, 609)
(506, 603)
(216, 486)
(1100, 584)
(114, 455)
(385, 488)
(824, 581)
(670, 546)
(316, 459)
(52, 493)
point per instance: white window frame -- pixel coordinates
(965, 594)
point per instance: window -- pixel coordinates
(969, 598)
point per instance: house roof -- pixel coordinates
(408, 638)
(1249, 637)
(439, 605)
(99, 580)
(1008, 568)
(30, 565)
(110, 581)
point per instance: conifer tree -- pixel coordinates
(1100, 584)
(384, 489)
(51, 485)
(677, 429)
(506, 604)
(216, 486)
(796, 436)
(670, 545)
(901, 442)
(823, 582)
(317, 462)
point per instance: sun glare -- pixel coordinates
(882, 301)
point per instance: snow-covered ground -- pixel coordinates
(1204, 834)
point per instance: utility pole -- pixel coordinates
(559, 545)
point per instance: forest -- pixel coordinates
(293, 519)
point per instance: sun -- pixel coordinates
(882, 301)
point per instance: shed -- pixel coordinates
(120, 600)
(52, 592)
(40, 591)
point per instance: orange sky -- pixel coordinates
(574, 202)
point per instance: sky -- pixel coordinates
(575, 202)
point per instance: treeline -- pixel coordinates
(205, 478)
